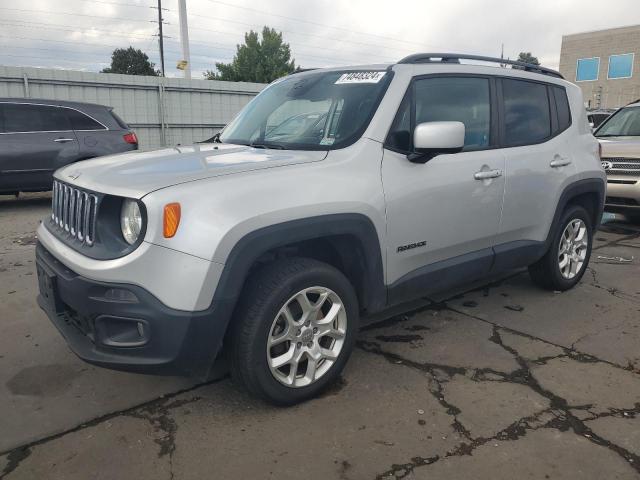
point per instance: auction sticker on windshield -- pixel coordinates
(360, 77)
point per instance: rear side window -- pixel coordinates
(17, 118)
(526, 112)
(80, 121)
(562, 107)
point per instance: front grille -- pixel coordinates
(74, 212)
(623, 166)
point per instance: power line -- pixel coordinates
(49, 58)
(121, 4)
(200, 16)
(292, 32)
(102, 17)
(318, 24)
(76, 29)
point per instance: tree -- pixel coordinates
(526, 57)
(131, 62)
(257, 60)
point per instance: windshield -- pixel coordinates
(310, 111)
(623, 123)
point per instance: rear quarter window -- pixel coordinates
(80, 121)
(526, 112)
(562, 107)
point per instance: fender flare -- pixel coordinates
(254, 244)
(589, 185)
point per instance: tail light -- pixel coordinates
(131, 138)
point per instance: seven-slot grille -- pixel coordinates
(623, 166)
(74, 211)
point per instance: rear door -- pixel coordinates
(94, 138)
(35, 140)
(539, 163)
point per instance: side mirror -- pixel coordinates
(434, 138)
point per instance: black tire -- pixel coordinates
(546, 271)
(265, 293)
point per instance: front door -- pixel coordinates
(443, 215)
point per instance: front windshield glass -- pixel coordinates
(310, 111)
(624, 123)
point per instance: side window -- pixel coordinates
(459, 99)
(526, 112)
(399, 137)
(34, 118)
(80, 121)
(562, 106)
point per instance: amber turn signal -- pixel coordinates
(171, 219)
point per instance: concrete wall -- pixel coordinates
(603, 93)
(162, 111)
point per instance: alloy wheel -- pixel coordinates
(572, 253)
(306, 337)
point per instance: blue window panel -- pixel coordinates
(621, 66)
(587, 69)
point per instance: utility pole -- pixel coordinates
(160, 37)
(184, 39)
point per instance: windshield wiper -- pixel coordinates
(275, 146)
(615, 135)
(216, 138)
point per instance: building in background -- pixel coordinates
(605, 64)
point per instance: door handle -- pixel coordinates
(488, 174)
(63, 140)
(559, 162)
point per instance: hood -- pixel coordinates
(627, 147)
(136, 174)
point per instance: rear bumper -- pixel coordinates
(124, 327)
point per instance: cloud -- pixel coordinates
(81, 34)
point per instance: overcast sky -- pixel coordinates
(80, 34)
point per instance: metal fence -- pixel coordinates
(162, 111)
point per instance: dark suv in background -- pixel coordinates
(39, 136)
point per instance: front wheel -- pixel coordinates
(294, 330)
(566, 260)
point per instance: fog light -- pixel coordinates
(120, 295)
(121, 331)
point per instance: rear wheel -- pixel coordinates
(294, 330)
(566, 260)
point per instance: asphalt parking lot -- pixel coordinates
(506, 381)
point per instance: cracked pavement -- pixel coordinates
(504, 381)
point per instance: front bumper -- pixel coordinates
(623, 192)
(125, 327)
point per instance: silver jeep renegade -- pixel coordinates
(333, 195)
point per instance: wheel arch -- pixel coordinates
(589, 194)
(348, 241)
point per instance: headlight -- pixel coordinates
(130, 221)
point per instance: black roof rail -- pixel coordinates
(456, 57)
